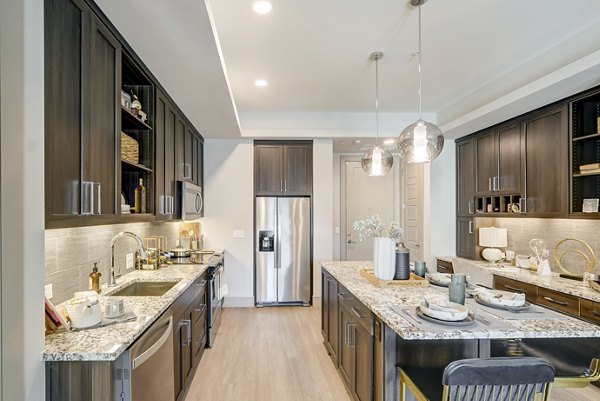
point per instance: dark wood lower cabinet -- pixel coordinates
(353, 322)
(189, 334)
(329, 315)
(465, 237)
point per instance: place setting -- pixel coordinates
(509, 305)
(437, 311)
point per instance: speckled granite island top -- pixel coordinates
(379, 301)
(107, 343)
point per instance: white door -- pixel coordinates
(365, 196)
(412, 200)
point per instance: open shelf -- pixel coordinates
(135, 166)
(131, 121)
(585, 149)
(497, 204)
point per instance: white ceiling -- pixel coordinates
(315, 55)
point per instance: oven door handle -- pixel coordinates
(139, 361)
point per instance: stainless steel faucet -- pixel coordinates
(112, 279)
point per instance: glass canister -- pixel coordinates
(402, 268)
(457, 288)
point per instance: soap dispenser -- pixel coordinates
(95, 278)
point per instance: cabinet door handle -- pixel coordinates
(471, 227)
(346, 333)
(556, 301)
(171, 208)
(98, 186)
(490, 184)
(202, 309)
(284, 185)
(162, 207)
(352, 342)
(497, 183)
(471, 207)
(514, 288)
(595, 313)
(187, 340)
(187, 171)
(280, 185)
(442, 267)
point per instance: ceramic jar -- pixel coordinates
(384, 258)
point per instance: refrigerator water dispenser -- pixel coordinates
(266, 241)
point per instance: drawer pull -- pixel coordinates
(514, 288)
(596, 313)
(442, 267)
(556, 302)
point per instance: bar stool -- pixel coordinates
(490, 379)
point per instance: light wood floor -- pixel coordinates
(277, 354)
(268, 354)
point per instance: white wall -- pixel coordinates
(322, 208)
(229, 188)
(22, 192)
(442, 205)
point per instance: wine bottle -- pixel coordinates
(140, 198)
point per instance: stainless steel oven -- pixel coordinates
(215, 296)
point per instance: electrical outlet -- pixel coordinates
(48, 291)
(239, 234)
(129, 261)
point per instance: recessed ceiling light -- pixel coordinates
(389, 141)
(261, 82)
(262, 7)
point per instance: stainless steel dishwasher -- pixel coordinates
(145, 370)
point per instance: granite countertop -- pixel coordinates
(379, 301)
(107, 343)
(555, 282)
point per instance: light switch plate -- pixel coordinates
(48, 291)
(337, 229)
(239, 234)
(129, 261)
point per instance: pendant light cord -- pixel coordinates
(420, 81)
(377, 102)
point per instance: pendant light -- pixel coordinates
(377, 161)
(422, 141)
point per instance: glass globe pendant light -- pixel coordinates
(421, 141)
(377, 161)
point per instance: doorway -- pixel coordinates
(362, 197)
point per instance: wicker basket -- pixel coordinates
(130, 149)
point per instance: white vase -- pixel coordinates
(384, 258)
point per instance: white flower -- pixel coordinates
(373, 227)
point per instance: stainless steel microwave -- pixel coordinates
(191, 201)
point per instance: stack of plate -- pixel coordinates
(442, 279)
(438, 309)
(501, 299)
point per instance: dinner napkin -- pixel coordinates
(437, 302)
(504, 298)
(441, 278)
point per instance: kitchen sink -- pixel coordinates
(145, 289)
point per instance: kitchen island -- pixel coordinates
(424, 351)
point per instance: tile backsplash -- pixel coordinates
(71, 253)
(521, 230)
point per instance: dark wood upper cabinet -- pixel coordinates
(283, 169)
(465, 177)
(297, 169)
(485, 161)
(509, 158)
(88, 65)
(545, 157)
(100, 141)
(66, 30)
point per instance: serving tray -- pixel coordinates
(413, 281)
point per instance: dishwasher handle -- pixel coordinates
(139, 361)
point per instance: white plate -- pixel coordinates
(451, 312)
(501, 298)
(442, 279)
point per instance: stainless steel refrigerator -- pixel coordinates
(283, 251)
